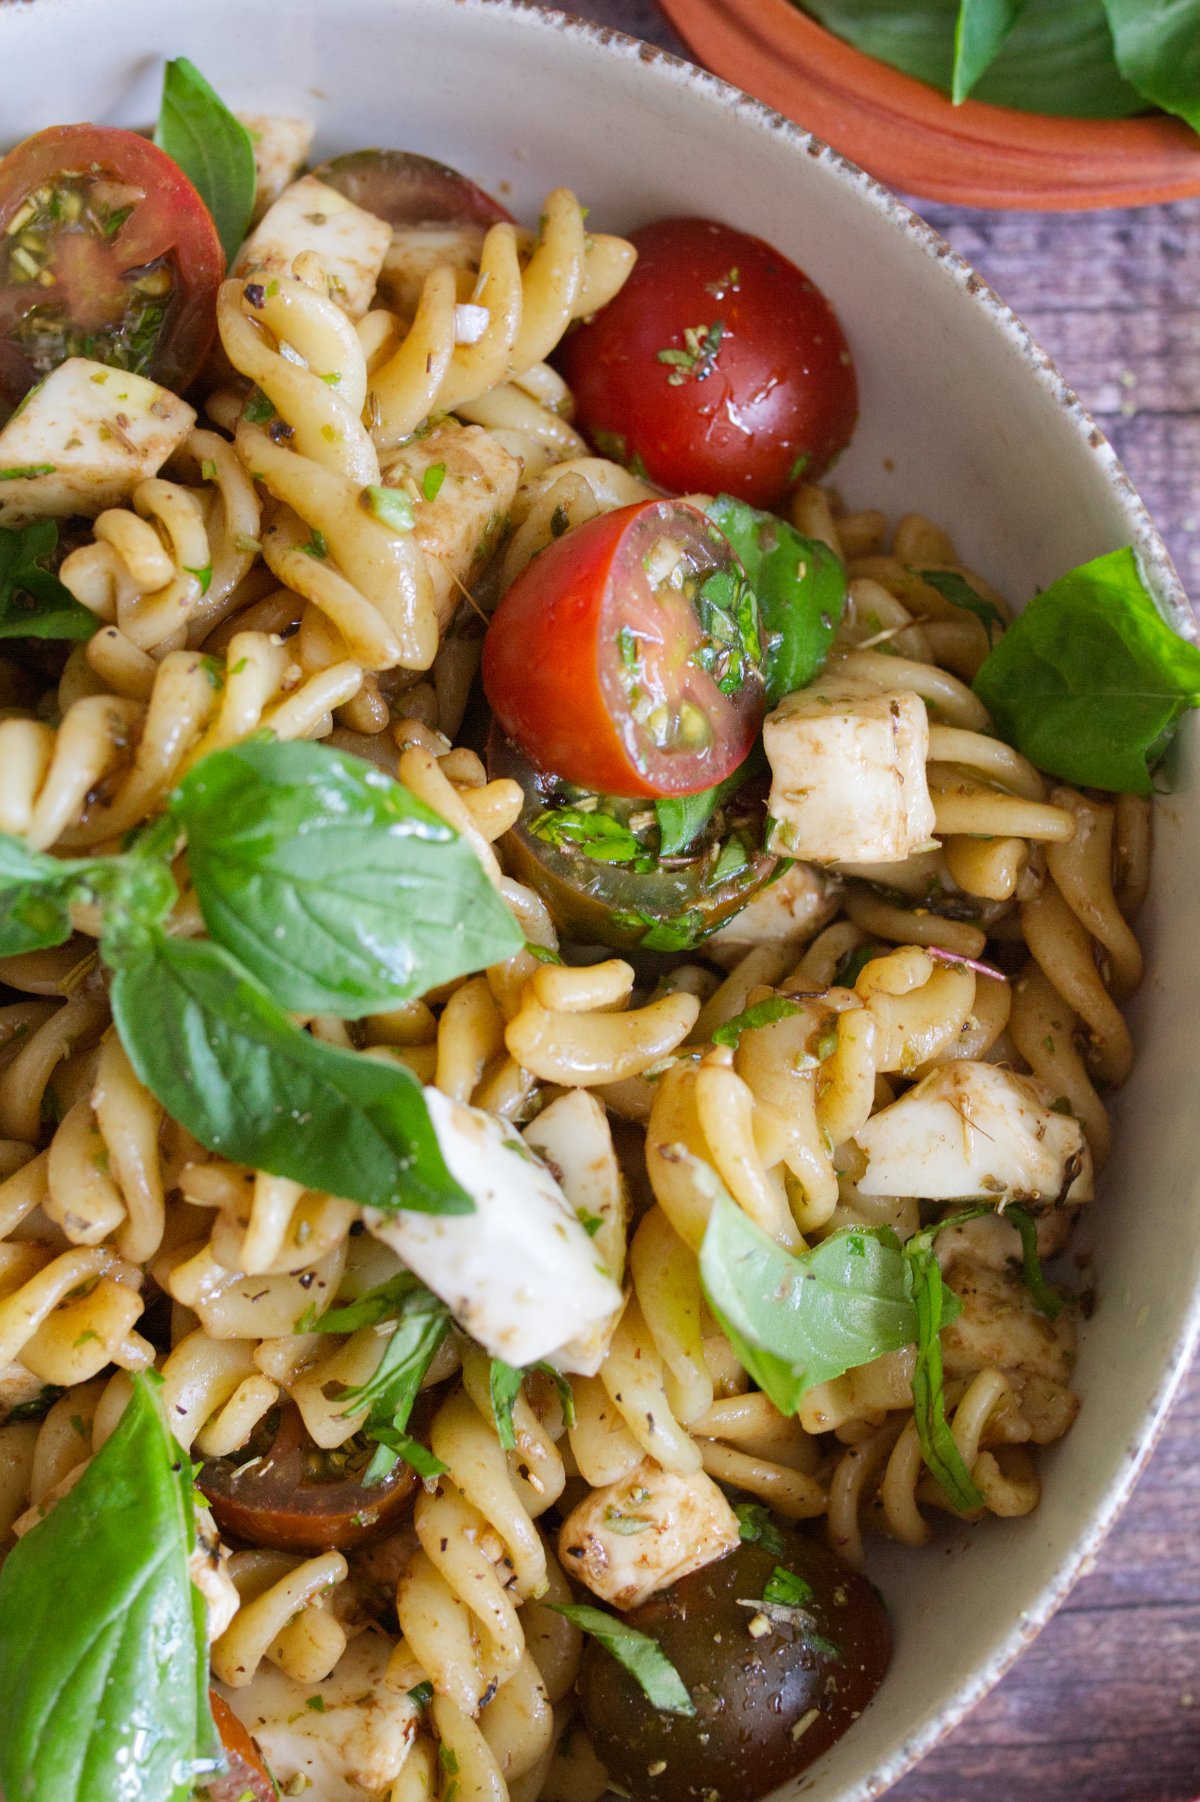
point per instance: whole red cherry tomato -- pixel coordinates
(106, 251)
(627, 656)
(719, 366)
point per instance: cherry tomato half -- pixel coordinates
(408, 189)
(627, 656)
(247, 1779)
(287, 1493)
(719, 366)
(106, 251)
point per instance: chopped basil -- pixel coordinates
(33, 602)
(391, 506)
(640, 1655)
(259, 408)
(756, 1527)
(763, 1013)
(505, 1386)
(203, 576)
(958, 591)
(431, 481)
(1089, 682)
(682, 818)
(23, 471)
(212, 147)
(784, 1589)
(592, 834)
(697, 360)
(422, 1322)
(938, 1446)
(1044, 1298)
(800, 586)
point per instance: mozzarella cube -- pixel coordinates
(83, 440)
(1000, 1327)
(355, 1742)
(848, 773)
(475, 480)
(788, 913)
(646, 1531)
(280, 148)
(520, 1274)
(309, 215)
(574, 1139)
(974, 1130)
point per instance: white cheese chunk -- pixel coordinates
(520, 1273)
(646, 1531)
(971, 1129)
(575, 1139)
(84, 439)
(476, 480)
(309, 215)
(788, 912)
(848, 772)
(280, 147)
(1001, 1328)
(356, 1742)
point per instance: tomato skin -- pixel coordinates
(247, 1779)
(408, 189)
(169, 221)
(550, 656)
(779, 386)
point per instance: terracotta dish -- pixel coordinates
(913, 137)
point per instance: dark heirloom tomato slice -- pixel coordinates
(247, 1779)
(407, 189)
(294, 1497)
(627, 656)
(106, 251)
(660, 904)
(719, 366)
(769, 1699)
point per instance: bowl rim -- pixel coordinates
(1131, 1459)
(913, 136)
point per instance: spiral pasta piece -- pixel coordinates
(518, 314)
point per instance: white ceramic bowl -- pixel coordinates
(962, 417)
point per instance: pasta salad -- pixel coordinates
(560, 984)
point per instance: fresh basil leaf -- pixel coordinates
(682, 818)
(102, 1638)
(756, 1527)
(640, 1655)
(33, 602)
(36, 892)
(333, 885)
(1157, 45)
(229, 1065)
(801, 590)
(1089, 682)
(214, 150)
(958, 591)
(763, 1013)
(505, 1385)
(1058, 57)
(422, 1322)
(1045, 1299)
(796, 1322)
(980, 31)
(938, 1446)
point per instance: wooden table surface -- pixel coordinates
(1105, 1707)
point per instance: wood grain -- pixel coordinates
(1105, 1706)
